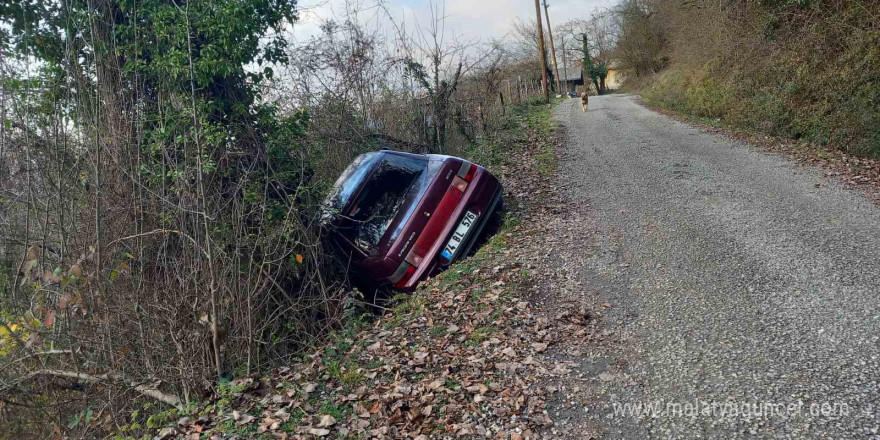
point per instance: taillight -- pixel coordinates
(459, 183)
(407, 274)
(471, 172)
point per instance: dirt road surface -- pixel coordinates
(738, 293)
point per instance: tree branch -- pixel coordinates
(145, 390)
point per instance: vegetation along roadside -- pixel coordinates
(162, 167)
(457, 358)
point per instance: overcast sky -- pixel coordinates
(467, 19)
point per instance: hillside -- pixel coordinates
(802, 70)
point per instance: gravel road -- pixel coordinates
(743, 290)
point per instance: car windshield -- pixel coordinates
(396, 182)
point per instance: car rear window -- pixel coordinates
(396, 183)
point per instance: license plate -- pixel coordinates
(458, 236)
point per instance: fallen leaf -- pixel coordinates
(320, 432)
(326, 420)
(282, 414)
(50, 318)
(268, 424)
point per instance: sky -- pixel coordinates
(468, 20)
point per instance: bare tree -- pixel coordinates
(594, 38)
(437, 64)
(642, 38)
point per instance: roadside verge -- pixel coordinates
(461, 357)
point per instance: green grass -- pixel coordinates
(438, 331)
(406, 307)
(452, 384)
(495, 149)
(229, 427)
(352, 377)
(373, 364)
(338, 412)
(340, 358)
(481, 334)
(476, 294)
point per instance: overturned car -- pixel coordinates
(401, 217)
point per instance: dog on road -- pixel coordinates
(584, 100)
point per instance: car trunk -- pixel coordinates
(431, 214)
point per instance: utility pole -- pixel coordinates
(552, 48)
(541, 53)
(564, 68)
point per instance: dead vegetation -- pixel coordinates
(159, 185)
(463, 357)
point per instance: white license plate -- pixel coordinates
(458, 236)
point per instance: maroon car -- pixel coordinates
(400, 217)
